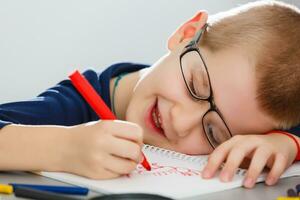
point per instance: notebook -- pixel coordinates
(173, 174)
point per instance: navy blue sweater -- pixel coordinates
(63, 105)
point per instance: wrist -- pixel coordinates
(63, 150)
(56, 144)
(293, 139)
(71, 150)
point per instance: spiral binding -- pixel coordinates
(175, 155)
(183, 157)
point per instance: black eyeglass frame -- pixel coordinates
(193, 46)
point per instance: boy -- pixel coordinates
(218, 84)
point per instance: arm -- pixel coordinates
(23, 147)
(295, 131)
(59, 105)
(98, 149)
(32, 147)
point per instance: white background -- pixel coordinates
(41, 42)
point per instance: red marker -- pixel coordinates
(96, 102)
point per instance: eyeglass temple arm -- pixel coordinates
(198, 35)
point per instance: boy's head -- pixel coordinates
(269, 33)
(251, 57)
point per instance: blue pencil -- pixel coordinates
(30, 193)
(57, 189)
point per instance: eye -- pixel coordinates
(212, 133)
(195, 85)
(192, 87)
(198, 83)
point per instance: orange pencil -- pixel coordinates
(96, 102)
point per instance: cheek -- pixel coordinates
(152, 83)
(195, 143)
(194, 146)
(163, 79)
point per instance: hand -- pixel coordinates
(103, 149)
(276, 151)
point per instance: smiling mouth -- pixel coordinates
(156, 119)
(156, 116)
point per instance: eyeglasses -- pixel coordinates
(197, 81)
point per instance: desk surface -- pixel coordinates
(259, 192)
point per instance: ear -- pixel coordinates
(188, 29)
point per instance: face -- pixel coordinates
(161, 91)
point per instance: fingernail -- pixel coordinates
(224, 176)
(249, 182)
(206, 173)
(141, 158)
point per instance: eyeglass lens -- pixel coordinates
(197, 81)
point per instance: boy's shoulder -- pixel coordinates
(123, 67)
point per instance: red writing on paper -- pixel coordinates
(163, 170)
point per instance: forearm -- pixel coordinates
(30, 148)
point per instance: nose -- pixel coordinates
(187, 117)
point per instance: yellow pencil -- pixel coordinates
(6, 189)
(288, 198)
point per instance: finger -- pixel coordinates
(100, 173)
(120, 165)
(234, 159)
(258, 162)
(127, 130)
(124, 149)
(216, 158)
(280, 164)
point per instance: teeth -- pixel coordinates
(159, 120)
(158, 117)
(155, 119)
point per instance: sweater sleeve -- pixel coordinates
(59, 105)
(295, 131)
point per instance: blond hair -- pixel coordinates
(269, 32)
